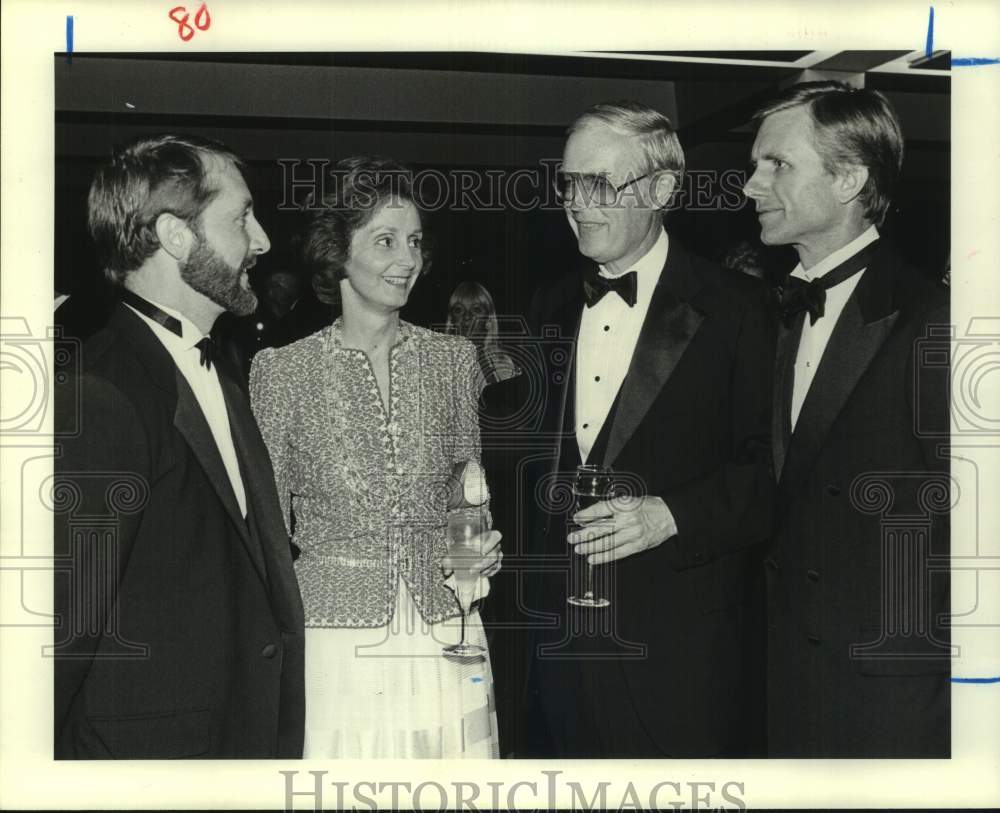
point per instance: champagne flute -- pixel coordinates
(465, 548)
(591, 485)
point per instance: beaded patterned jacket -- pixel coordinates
(364, 492)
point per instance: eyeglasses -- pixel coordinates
(595, 190)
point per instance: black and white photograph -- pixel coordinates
(587, 424)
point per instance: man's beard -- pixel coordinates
(210, 275)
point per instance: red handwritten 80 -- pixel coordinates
(202, 20)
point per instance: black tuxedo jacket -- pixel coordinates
(691, 425)
(179, 623)
(857, 572)
(81, 315)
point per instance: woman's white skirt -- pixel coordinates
(389, 692)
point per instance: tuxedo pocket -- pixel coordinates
(878, 655)
(169, 735)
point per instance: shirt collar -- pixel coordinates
(831, 261)
(191, 335)
(649, 264)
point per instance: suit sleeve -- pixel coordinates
(101, 486)
(731, 507)
(273, 409)
(929, 394)
(927, 391)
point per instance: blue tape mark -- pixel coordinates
(69, 37)
(976, 680)
(973, 61)
(966, 62)
(476, 679)
(929, 49)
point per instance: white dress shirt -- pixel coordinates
(815, 337)
(206, 387)
(609, 332)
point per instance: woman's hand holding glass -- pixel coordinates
(488, 564)
(473, 552)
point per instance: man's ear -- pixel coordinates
(661, 187)
(851, 179)
(175, 235)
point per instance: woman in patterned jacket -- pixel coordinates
(365, 421)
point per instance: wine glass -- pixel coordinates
(591, 485)
(465, 548)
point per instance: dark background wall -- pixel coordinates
(478, 113)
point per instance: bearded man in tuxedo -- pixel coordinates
(179, 629)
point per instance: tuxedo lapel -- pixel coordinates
(191, 423)
(258, 479)
(188, 418)
(147, 348)
(784, 376)
(667, 331)
(863, 327)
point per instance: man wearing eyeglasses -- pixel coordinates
(669, 385)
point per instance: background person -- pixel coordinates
(472, 314)
(287, 310)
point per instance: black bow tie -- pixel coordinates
(147, 308)
(810, 297)
(208, 349)
(595, 287)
